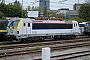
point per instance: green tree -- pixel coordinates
(36, 8)
(3, 8)
(62, 15)
(13, 9)
(39, 9)
(2, 16)
(77, 19)
(28, 8)
(45, 13)
(33, 8)
(53, 14)
(84, 12)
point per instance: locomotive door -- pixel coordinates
(26, 28)
(74, 27)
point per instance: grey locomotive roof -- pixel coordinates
(32, 20)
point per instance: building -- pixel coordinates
(3, 1)
(76, 6)
(43, 3)
(70, 13)
(64, 11)
(88, 1)
(33, 14)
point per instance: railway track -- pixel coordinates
(35, 48)
(69, 54)
(13, 46)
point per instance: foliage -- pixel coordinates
(62, 15)
(84, 12)
(28, 8)
(2, 16)
(12, 9)
(38, 47)
(53, 14)
(45, 14)
(32, 8)
(39, 9)
(3, 7)
(77, 19)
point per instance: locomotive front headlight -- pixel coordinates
(15, 27)
(10, 27)
(7, 27)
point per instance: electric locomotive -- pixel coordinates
(25, 29)
(3, 29)
(82, 27)
(87, 28)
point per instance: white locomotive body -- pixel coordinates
(82, 27)
(27, 29)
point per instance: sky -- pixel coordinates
(54, 4)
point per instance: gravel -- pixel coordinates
(31, 56)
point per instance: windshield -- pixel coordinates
(6, 23)
(1, 24)
(13, 23)
(9, 23)
(81, 25)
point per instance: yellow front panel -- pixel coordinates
(20, 22)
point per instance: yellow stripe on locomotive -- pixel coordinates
(3, 31)
(19, 24)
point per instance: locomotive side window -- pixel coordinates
(81, 25)
(1, 24)
(28, 24)
(24, 24)
(52, 26)
(6, 23)
(74, 25)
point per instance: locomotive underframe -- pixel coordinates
(39, 37)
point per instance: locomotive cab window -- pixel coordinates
(1, 24)
(28, 24)
(74, 25)
(81, 25)
(24, 24)
(13, 23)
